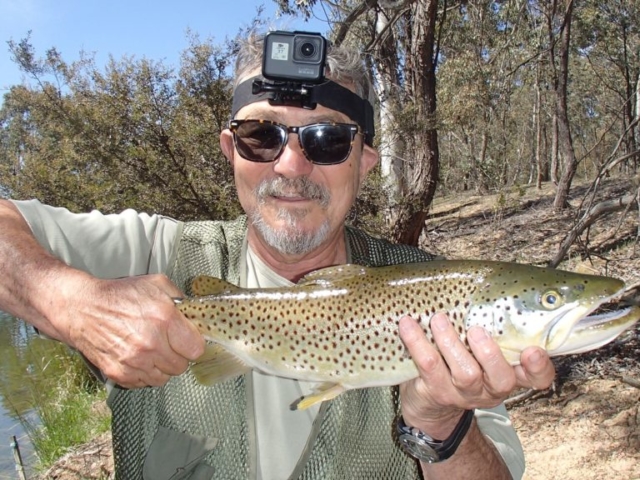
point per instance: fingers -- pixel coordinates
(473, 377)
(131, 330)
(424, 354)
(466, 373)
(535, 370)
(499, 377)
(182, 336)
(128, 377)
(462, 378)
(185, 339)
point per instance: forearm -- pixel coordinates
(127, 326)
(29, 274)
(476, 458)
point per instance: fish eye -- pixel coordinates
(551, 299)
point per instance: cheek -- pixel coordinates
(344, 186)
(247, 176)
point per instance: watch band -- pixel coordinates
(427, 449)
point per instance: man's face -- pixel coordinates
(293, 204)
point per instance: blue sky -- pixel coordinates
(152, 29)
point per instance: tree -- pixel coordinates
(403, 54)
(608, 37)
(422, 153)
(136, 135)
(478, 96)
(559, 59)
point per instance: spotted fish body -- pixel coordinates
(339, 325)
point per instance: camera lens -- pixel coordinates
(307, 49)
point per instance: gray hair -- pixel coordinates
(344, 66)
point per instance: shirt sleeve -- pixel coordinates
(494, 423)
(107, 246)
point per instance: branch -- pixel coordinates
(600, 209)
(351, 18)
(634, 382)
(382, 36)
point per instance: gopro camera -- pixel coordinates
(294, 57)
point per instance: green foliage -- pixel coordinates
(368, 211)
(71, 417)
(140, 134)
(136, 135)
(65, 398)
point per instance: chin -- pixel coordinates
(290, 236)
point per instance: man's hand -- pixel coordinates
(130, 329)
(457, 379)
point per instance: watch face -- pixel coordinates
(418, 448)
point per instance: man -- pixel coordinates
(98, 284)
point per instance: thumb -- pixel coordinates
(185, 339)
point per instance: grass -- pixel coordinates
(67, 400)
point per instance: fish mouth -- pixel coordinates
(582, 329)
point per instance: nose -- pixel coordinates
(292, 162)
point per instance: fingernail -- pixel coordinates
(535, 357)
(478, 334)
(439, 322)
(407, 329)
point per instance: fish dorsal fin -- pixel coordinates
(330, 275)
(216, 365)
(205, 285)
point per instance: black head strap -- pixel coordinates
(328, 94)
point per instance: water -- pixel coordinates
(23, 360)
(9, 426)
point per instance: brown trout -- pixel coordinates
(339, 325)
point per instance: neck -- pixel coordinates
(294, 267)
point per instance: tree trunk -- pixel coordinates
(542, 165)
(555, 162)
(630, 93)
(636, 132)
(391, 148)
(565, 142)
(422, 156)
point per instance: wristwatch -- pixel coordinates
(426, 449)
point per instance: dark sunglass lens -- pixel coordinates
(327, 144)
(259, 142)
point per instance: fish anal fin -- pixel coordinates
(205, 285)
(326, 391)
(329, 275)
(216, 365)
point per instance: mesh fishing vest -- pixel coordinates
(184, 430)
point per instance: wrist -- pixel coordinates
(429, 449)
(58, 289)
(439, 426)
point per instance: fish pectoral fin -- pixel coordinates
(216, 365)
(326, 391)
(204, 285)
(328, 276)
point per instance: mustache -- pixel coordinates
(293, 187)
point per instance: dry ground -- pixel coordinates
(588, 426)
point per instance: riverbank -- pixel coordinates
(49, 399)
(90, 461)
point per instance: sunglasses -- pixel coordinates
(321, 143)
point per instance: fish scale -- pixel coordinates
(339, 326)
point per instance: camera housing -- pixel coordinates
(294, 57)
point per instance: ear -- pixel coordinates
(368, 160)
(226, 145)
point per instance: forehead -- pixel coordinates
(291, 115)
